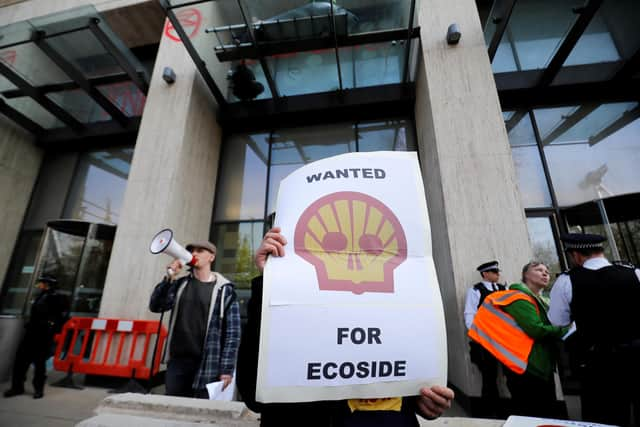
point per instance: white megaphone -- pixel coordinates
(163, 242)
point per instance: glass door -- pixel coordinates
(77, 253)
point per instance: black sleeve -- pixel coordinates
(62, 313)
(247, 372)
(163, 297)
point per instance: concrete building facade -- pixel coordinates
(495, 136)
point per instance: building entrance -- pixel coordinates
(77, 253)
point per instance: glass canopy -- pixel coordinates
(68, 70)
(560, 42)
(252, 50)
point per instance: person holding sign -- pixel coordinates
(400, 411)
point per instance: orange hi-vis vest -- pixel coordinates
(498, 332)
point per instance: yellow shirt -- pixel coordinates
(384, 404)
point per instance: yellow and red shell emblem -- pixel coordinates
(353, 240)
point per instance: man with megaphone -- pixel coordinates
(204, 329)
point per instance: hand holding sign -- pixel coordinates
(433, 401)
(272, 244)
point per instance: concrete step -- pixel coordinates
(119, 420)
(178, 409)
(147, 410)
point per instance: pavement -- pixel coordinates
(60, 407)
(65, 407)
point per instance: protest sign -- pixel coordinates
(353, 309)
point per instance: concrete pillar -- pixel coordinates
(171, 183)
(20, 161)
(474, 206)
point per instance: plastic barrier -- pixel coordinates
(111, 347)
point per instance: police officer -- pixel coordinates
(486, 363)
(48, 314)
(602, 299)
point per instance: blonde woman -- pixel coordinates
(533, 391)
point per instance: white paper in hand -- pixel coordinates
(570, 332)
(216, 392)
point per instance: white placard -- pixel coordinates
(99, 324)
(353, 309)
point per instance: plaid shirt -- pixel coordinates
(223, 333)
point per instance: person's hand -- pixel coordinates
(272, 244)
(433, 401)
(226, 380)
(174, 269)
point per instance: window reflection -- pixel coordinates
(98, 186)
(611, 35)
(534, 32)
(543, 243)
(532, 184)
(243, 174)
(379, 15)
(624, 222)
(33, 110)
(126, 96)
(60, 255)
(534, 191)
(595, 45)
(85, 52)
(90, 277)
(599, 142)
(363, 16)
(237, 244)
(372, 64)
(305, 72)
(292, 148)
(392, 135)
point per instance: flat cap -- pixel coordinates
(491, 265)
(202, 245)
(582, 241)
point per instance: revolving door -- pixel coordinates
(77, 253)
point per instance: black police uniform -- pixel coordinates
(48, 314)
(604, 307)
(487, 364)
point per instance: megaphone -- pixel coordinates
(163, 242)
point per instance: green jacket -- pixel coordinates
(542, 360)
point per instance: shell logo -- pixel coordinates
(354, 242)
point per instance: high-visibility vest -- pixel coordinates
(498, 332)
